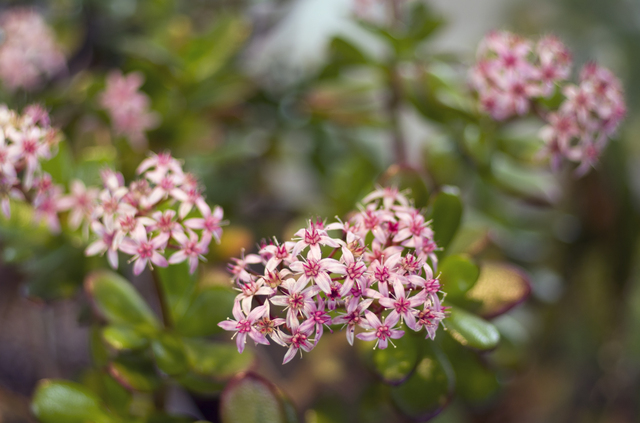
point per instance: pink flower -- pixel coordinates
(81, 202)
(245, 326)
(430, 317)
(300, 339)
(313, 237)
(46, 208)
(251, 289)
(190, 249)
(128, 107)
(382, 331)
(298, 301)
(210, 222)
(143, 250)
(317, 270)
(161, 164)
(28, 50)
(353, 317)
(105, 243)
(402, 306)
(9, 190)
(28, 145)
(275, 254)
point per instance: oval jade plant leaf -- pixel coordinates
(217, 360)
(134, 373)
(458, 274)
(170, 354)
(499, 288)
(429, 388)
(57, 401)
(395, 365)
(446, 214)
(471, 330)
(249, 398)
(121, 337)
(118, 301)
(210, 306)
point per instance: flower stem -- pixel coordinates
(166, 317)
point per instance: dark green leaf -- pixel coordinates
(57, 401)
(123, 337)
(135, 372)
(211, 306)
(446, 215)
(114, 395)
(170, 354)
(430, 387)
(118, 301)
(471, 330)
(251, 399)
(475, 381)
(458, 275)
(422, 22)
(394, 365)
(178, 288)
(217, 360)
(199, 384)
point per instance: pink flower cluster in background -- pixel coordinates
(161, 212)
(512, 74)
(590, 114)
(512, 71)
(372, 272)
(28, 50)
(25, 141)
(129, 108)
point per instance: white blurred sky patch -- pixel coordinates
(298, 43)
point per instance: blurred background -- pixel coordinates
(288, 110)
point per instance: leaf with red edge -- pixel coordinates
(499, 288)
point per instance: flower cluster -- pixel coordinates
(28, 49)
(26, 140)
(512, 71)
(161, 211)
(128, 107)
(512, 74)
(591, 112)
(373, 272)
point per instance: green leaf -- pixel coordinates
(422, 22)
(430, 387)
(217, 360)
(135, 372)
(211, 306)
(121, 337)
(58, 401)
(178, 288)
(170, 354)
(471, 330)
(475, 381)
(458, 275)
(117, 300)
(446, 214)
(199, 384)
(394, 365)
(251, 399)
(499, 288)
(61, 166)
(114, 395)
(206, 55)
